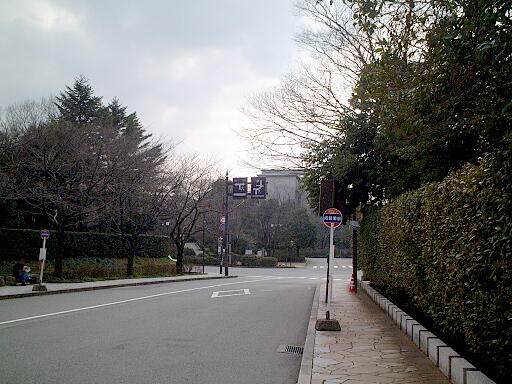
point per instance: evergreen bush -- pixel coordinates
(444, 253)
(25, 243)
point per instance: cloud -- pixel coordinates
(185, 67)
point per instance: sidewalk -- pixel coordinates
(11, 292)
(369, 348)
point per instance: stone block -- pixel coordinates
(397, 316)
(403, 321)
(433, 350)
(390, 309)
(409, 327)
(446, 354)
(459, 370)
(425, 337)
(477, 377)
(2, 281)
(9, 280)
(416, 332)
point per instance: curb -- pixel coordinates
(457, 369)
(306, 365)
(70, 290)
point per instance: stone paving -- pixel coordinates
(369, 348)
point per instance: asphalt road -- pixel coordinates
(217, 331)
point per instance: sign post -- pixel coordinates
(332, 219)
(45, 234)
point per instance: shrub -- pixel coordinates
(25, 243)
(283, 255)
(198, 260)
(443, 252)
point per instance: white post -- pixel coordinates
(331, 265)
(42, 263)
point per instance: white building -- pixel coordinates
(285, 185)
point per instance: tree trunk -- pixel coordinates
(59, 251)
(131, 255)
(179, 258)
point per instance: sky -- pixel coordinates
(187, 67)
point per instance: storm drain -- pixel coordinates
(295, 349)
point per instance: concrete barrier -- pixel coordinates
(454, 367)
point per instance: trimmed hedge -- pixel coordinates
(443, 252)
(284, 256)
(25, 243)
(198, 260)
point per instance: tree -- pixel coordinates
(188, 201)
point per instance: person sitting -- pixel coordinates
(20, 272)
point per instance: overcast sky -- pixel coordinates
(185, 66)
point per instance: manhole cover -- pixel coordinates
(295, 349)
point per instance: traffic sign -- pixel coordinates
(45, 234)
(223, 219)
(222, 227)
(333, 218)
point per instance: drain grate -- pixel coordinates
(295, 349)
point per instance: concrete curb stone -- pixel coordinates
(453, 366)
(306, 365)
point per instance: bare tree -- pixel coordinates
(188, 202)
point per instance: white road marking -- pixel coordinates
(315, 267)
(343, 266)
(321, 267)
(335, 266)
(237, 292)
(313, 278)
(126, 301)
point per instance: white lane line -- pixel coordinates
(343, 266)
(313, 278)
(351, 267)
(234, 292)
(321, 267)
(126, 301)
(315, 267)
(335, 266)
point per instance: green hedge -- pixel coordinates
(198, 260)
(25, 243)
(253, 261)
(443, 252)
(284, 256)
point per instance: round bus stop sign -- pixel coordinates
(333, 218)
(45, 234)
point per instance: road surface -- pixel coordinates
(216, 331)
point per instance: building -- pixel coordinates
(285, 185)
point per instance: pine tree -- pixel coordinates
(78, 105)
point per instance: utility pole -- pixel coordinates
(226, 237)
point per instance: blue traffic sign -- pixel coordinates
(332, 217)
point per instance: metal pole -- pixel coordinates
(203, 238)
(354, 256)
(329, 275)
(226, 252)
(42, 265)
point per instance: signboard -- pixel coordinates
(333, 218)
(240, 187)
(42, 254)
(258, 187)
(45, 234)
(354, 225)
(331, 196)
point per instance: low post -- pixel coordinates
(45, 234)
(332, 219)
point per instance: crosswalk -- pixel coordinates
(336, 267)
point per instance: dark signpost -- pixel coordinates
(258, 187)
(239, 187)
